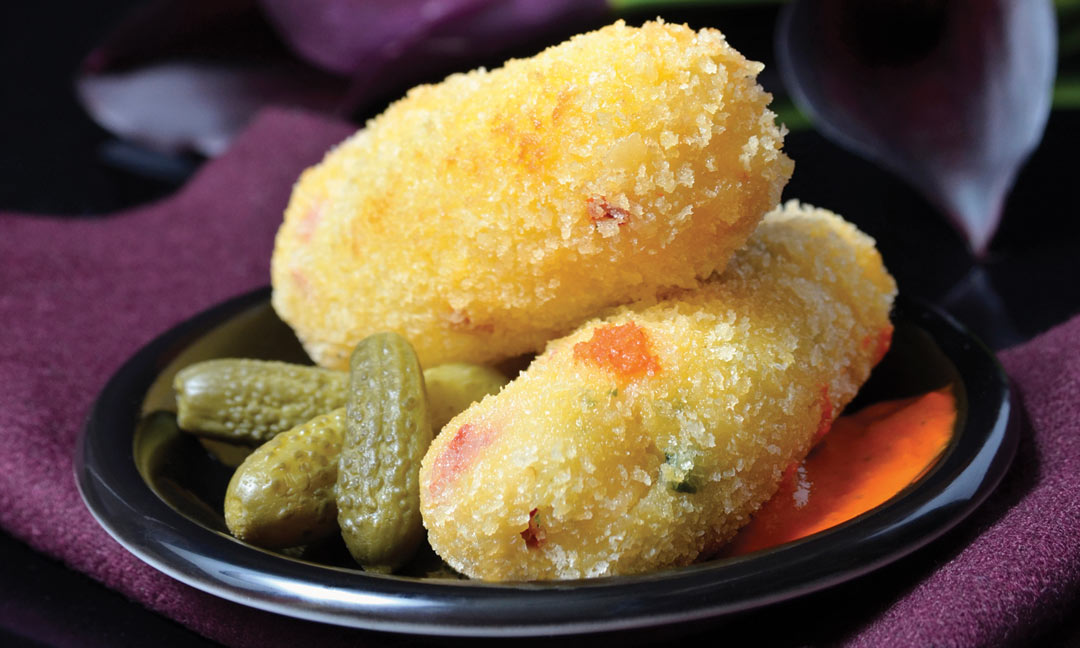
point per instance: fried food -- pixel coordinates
(487, 214)
(646, 439)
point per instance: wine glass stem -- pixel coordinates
(974, 301)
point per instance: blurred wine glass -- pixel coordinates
(951, 95)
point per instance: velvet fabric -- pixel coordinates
(79, 296)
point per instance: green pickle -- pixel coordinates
(251, 401)
(454, 386)
(283, 495)
(387, 432)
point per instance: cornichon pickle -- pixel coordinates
(454, 386)
(283, 493)
(275, 500)
(251, 401)
(387, 432)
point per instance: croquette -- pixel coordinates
(487, 214)
(645, 439)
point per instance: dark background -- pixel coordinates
(54, 160)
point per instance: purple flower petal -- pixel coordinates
(187, 75)
(953, 96)
(182, 75)
(187, 105)
(347, 36)
(391, 46)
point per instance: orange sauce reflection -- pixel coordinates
(864, 460)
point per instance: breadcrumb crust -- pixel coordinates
(581, 471)
(482, 216)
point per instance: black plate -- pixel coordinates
(158, 493)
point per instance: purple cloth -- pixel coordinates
(78, 297)
(1019, 573)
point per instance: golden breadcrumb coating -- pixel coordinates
(487, 214)
(647, 438)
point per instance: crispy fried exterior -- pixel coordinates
(487, 214)
(647, 438)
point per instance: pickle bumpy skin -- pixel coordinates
(387, 432)
(483, 216)
(283, 493)
(646, 439)
(251, 401)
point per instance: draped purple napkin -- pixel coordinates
(78, 297)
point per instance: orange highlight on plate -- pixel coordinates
(866, 459)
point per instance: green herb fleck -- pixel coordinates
(681, 472)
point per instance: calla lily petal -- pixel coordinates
(951, 95)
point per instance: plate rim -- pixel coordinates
(172, 543)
